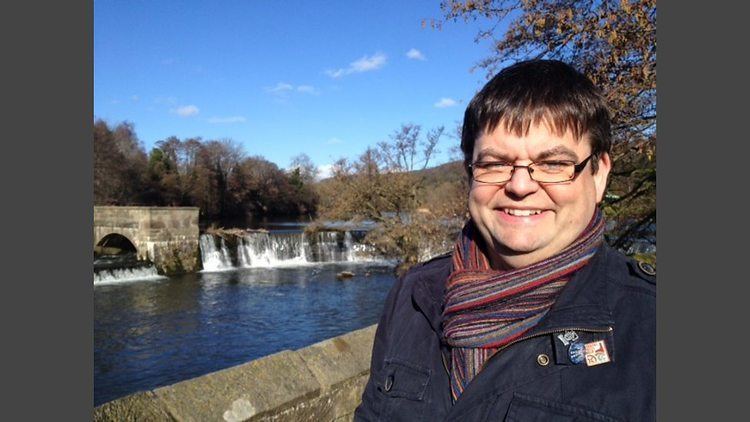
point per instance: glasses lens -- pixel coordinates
(492, 173)
(552, 172)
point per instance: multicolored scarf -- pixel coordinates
(486, 309)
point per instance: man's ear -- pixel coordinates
(600, 177)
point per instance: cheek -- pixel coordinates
(570, 198)
(481, 196)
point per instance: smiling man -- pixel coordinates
(532, 317)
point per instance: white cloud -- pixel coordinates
(445, 102)
(325, 171)
(415, 54)
(228, 119)
(307, 89)
(134, 98)
(186, 110)
(334, 141)
(280, 88)
(335, 74)
(363, 64)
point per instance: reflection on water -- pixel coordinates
(153, 333)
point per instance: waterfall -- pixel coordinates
(265, 250)
(275, 249)
(349, 246)
(117, 275)
(214, 258)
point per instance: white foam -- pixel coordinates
(124, 275)
(274, 250)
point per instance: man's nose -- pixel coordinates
(521, 184)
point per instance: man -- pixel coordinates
(532, 317)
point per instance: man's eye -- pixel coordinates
(493, 166)
(552, 166)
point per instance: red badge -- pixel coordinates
(596, 353)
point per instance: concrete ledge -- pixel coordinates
(142, 406)
(321, 382)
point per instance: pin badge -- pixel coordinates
(576, 353)
(596, 353)
(568, 337)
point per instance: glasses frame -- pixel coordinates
(577, 169)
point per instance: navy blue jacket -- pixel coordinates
(537, 378)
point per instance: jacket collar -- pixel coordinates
(583, 301)
(429, 290)
(581, 304)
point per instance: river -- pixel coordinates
(151, 331)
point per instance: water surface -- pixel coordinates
(156, 332)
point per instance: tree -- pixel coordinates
(307, 170)
(119, 164)
(613, 43)
(302, 175)
(162, 181)
(214, 175)
(386, 185)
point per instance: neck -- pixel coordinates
(504, 262)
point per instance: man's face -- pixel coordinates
(506, 214)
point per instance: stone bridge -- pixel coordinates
(166, 236)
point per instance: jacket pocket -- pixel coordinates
(525, 408)
(401, 389)
(401, 379)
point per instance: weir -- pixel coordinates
(168, 238)
(262, 249)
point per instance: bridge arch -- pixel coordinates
(115, 244)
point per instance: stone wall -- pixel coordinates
(322, 382)
(166, 236)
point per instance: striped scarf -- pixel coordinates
(486, 309)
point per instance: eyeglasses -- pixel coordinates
(497, 172)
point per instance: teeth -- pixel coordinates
(522, 213)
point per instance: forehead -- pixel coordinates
(539, 138)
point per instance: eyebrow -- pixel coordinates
(492, 154)
(557, 151)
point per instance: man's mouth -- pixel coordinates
(521, 213)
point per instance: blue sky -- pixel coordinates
(325, 78)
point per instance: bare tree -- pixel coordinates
(308, 171)
(386, 185)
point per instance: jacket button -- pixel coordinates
(388, 383)
(647, 268)
(542, 359)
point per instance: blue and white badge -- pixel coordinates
(576, 353)
(568, 337)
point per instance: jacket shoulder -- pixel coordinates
(436, 263)
(628, 272)
(430, 272)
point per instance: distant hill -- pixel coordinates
(448, 172)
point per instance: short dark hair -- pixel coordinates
(533, 91)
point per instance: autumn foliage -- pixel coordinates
(214, 175)
(418, 211)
